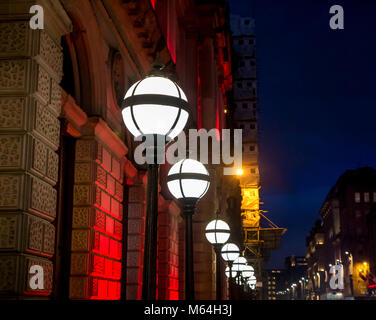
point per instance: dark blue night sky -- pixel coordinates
(317, 105)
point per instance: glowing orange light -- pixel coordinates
(239, 172)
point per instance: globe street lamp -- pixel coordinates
(155, 108)
(229, 252)
(252, 282)
(247, 272)
(188, 180)
(217, 232)
(227, 273)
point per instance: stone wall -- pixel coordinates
(30, 70)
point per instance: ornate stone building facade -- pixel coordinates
(72, 199)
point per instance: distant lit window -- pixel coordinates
(357, 197)
(366, 196)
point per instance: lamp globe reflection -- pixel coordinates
(217, 232)
(155, 105)
(230, 251)
(188, 179)
(247, 271)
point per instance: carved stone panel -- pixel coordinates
(35, 233)
(14, 38)
(11, 151)
(8, 272)
(43, 85)
(47, 125)
(13, 75)
(8, 231)
(40, 157)
(10, 186)
(48, 239)
(43, 198)
(51, 54)
(52, 165)
(12, 113)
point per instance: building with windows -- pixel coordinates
(315, 277)
(261, 235)
(344, 237)
(72, 197)
(274, 284)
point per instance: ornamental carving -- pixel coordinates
(43, 197)
(47, 125)
(82, 172)
(10, 151)
(48, 238)
(43, 84)
(40, 157)
(118, 78)
(35, 234)
(11, 112)
(8, 270)
(10, 190)
(52, 165)
(81, 217)
(8, 232)
(79, 263)
(13, 75)
(13, 38)
(81, 195)
(80, 240)
(55, 97)
(51, 53)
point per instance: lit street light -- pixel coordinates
(188, 180)
(155, 108)
(217, 232)
(229, 252)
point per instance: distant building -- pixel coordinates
(296, 269)
(348, 229)
(274, 282)
(258, 241)
(315, 262)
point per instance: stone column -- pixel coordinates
(135, 239)
(168, 250)
(30, 72)
(97, 214)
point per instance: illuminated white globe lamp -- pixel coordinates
(217, 232)
(247, 271)
(230, 251)
(227, 272)
(155, 105)
(239, 264)
(188, 180)
(252, 282)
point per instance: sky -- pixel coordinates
(316, 95)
